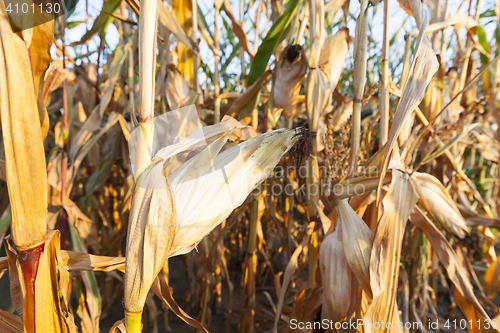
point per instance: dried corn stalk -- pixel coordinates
(423, 67)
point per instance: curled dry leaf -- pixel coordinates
(245, 98)
(237, 28)
(436, 200)
(422, 69)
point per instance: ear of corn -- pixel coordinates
(357, 241)
(210, 186)
(340, 285)
(151, 229)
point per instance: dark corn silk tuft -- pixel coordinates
(302, 148)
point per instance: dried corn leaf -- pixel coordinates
(333, 5)
(386, 251)
(41, 41)
(93, 299)
(114, 72)
(291, 267)
(238, 104)
(76, 261)
(448, 258)
(359, 184)
(237, 28)
(54, 77)
(435, 199)
(491, 282)
(477, 323)
(167, 19)
(422, 69)
(10, 323)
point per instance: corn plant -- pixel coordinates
(249, 166)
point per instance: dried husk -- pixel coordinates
(333, 55)
(449, 259)
(340, 286)
(290, 72)
(357, 241)
(209, 188)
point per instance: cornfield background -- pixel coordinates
(250, 166)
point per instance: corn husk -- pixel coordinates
(150, 233)
(211, 185)
(333, 55)
(290, 71)
(322, 81)
(340, 286)
(357, 241)
(435, 199)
